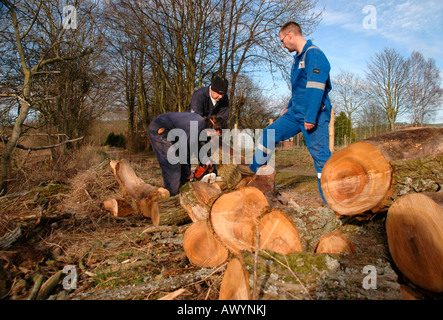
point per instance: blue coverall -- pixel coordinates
(174, 175)
(309, 103)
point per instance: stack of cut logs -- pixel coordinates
(399, 173)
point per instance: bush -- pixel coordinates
(115, 140)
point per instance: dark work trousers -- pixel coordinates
(174, 175)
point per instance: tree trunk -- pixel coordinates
(25, 106)
(371, 174)
(145, 196)
(414, 227)
(171, 212)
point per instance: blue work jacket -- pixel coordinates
(310, 84)
(201, 104)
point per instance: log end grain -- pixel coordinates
(356, 179)
(414, 227)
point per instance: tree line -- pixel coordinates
(66, 63)
(393, 87)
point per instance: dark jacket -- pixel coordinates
(201, 103)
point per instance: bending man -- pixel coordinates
(175, 174)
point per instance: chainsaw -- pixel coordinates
(202, 171)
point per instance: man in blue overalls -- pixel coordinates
(177, 173)
(309, 109)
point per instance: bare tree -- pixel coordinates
(388, 76)
(186, 42)
(349, 94)
(248, 36)
(38, 47)
(424, 91)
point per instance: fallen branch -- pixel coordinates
(142, 290)
(5, 141)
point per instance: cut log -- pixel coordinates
(369, 175)
(144, 194)
(235, 283)
(171, 212)
(234, 216)
(264, 180)
(334, 242)
(201, 246)
(118, 207)
(414, 227)
(278, 233)
(196, 197)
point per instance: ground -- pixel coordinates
(60, 224)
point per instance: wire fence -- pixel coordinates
(341, 136)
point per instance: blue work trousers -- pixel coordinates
(174, 175)
(287, 126)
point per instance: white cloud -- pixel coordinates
(408, 24)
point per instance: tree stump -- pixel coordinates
(414, 227)
(369, 175)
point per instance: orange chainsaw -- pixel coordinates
(201, 171)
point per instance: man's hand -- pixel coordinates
(208, 164)
(309, 126)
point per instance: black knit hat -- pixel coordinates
(219, 85)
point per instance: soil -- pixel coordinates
(63, 223)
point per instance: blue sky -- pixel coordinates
(349, 37)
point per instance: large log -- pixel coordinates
(369, 175)
(171, 212)
(234, 216)
(145, 195)
(414, 226)
(201, 246)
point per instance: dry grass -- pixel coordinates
(64, 222)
